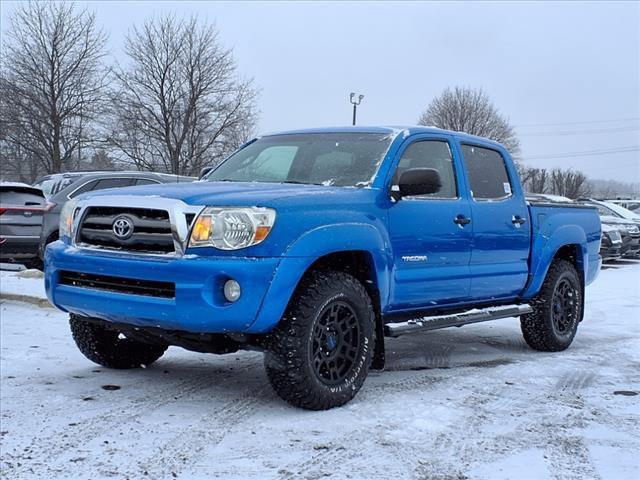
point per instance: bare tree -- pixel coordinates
(179, 104)
(52, 82)
(569, 183)
(613, 189)
(535, 180)
(471, 111)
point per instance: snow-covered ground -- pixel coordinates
(473, 402)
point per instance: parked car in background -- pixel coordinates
(60, 188)
(629, 228)
(611, 243)
(21, 210)
(618, 210)
(632, 205)
(546, 197)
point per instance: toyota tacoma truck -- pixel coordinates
(313, 246)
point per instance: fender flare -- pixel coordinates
(548, 248)
(306, 250)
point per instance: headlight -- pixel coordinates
(632, 229)
(231, 228)
(67, 215)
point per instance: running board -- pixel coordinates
(455, 320)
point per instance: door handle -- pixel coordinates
(462, 220)
(517, 220)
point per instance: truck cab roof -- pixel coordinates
(406, 130)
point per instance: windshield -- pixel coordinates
(621, 211)
(340, 159)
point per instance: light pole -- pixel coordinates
(355, 102)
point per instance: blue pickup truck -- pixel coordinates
(313, 246)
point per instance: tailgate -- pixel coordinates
(21, 211)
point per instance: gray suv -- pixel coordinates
(61, 187)
(21, 210)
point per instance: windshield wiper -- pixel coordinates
(297, 182)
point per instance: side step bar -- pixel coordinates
(455, 320)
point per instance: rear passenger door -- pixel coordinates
(501, 232)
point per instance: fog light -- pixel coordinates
(231, 290)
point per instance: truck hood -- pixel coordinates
(228, 193)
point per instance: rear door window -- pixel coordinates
(488, 177)
(113, 183)
(145, 181)
(87, 187)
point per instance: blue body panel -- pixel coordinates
(489, 259)
(555, 227)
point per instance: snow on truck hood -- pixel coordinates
(225, 193)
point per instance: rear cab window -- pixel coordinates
(487, 173)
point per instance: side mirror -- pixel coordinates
(205, 171)
(417, 181)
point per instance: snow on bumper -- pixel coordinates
(197, 306)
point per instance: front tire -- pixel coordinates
(111, 349)
(557, 310)
(319, 355)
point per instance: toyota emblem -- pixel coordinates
(122, 227)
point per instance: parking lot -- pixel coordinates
(473, 402)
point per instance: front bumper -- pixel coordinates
(198, 305)
(611, 252)
(633, 248)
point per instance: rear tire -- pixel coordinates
(557, 310)
(319, 355)
(105, 346)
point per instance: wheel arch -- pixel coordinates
(568, 242)
(364, 257)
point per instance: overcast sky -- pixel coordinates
(566, 74)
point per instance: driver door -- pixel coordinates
(431, 251)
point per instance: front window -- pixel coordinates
(340, 159)
(434, 154)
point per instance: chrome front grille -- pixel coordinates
(140, 230)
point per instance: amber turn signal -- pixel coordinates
(202, 229)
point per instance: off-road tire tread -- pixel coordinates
(536, 327)
(285, 356)
(102, 346)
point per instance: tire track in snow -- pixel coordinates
(40, 457)
(566, 453)
(576, 380)
(328, 460)
(206, 432)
